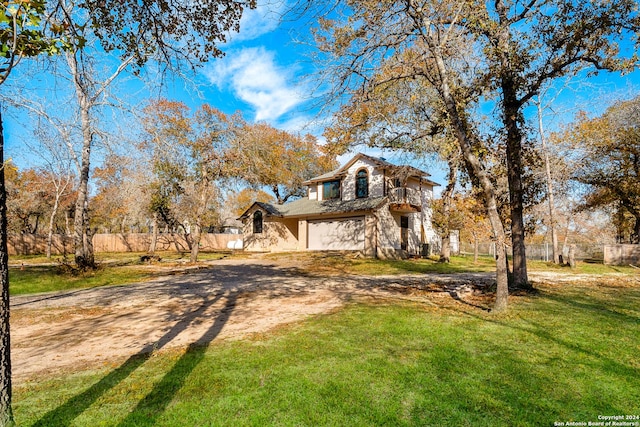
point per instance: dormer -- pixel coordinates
(358, 179)
(366, 177)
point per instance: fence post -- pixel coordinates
(546, 258)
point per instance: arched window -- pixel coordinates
(362, 184)
(257, 222)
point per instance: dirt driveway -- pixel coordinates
(229, 299)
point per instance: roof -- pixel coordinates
(379, 162)
(306, 207)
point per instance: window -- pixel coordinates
(362, 184)
(331, 190)
(257, 222)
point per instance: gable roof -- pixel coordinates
(305, 207)
(379, 162)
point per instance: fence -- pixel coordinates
(30, 244)
(541, 252)
(622, 254)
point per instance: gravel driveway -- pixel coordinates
(228, 300)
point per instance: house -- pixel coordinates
(368, 205)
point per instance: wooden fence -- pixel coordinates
(622, 254)
(30, 244)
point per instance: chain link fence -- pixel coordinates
(591, 252)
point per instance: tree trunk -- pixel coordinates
(550, 198)
(204, 200)
(512, 118)
(67, 228)
(83, 248)
(6, 412)
(572, 256)
(475, 250)
(447, 198)
(54, 211)
(83, 256)
(195, 243)
(154, 235)
(37, 224)
(514, 175)
(479, 174)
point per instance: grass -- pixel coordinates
(35, 274)
(566, 353)
(337, 263)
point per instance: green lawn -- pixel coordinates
(36, 274)
(318, 263)
(566, 353)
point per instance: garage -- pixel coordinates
(340, 234)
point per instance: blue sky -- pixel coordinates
(263, 75)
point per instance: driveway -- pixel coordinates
(229, 299)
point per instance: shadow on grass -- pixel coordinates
(162, 394)
(154, 404)
(590, 308)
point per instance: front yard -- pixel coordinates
(566, 353)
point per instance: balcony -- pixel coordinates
(404, 200)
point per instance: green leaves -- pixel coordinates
(23, 33)
(162, 29)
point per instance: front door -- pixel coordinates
(404, 232)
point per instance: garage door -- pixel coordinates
(345, 234)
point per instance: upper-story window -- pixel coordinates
(362, 184)
(331, 190)
(257, 222)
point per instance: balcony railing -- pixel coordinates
(405, 196)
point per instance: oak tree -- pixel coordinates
(280, 161)
(470, 51)
(191, 155)
(609, 160)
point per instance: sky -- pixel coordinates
(264, 75)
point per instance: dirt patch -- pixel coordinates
(229, 300)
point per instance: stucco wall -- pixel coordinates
(376, 178)
(278, 235)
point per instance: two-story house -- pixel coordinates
(368, 205)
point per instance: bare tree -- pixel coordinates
(58, 168)
(167, 33)
(549, 182)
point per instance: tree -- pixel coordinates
(465, 214)
(511, 50)
(380, 47)
(169, 33)
(609, 160)
(120, 199)
(239, 202)
(192, 155)
(280, 161)
(549, 182)
(57, 171)
(22, 34)
(29, 200)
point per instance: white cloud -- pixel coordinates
(259, 21)
(253, 75)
